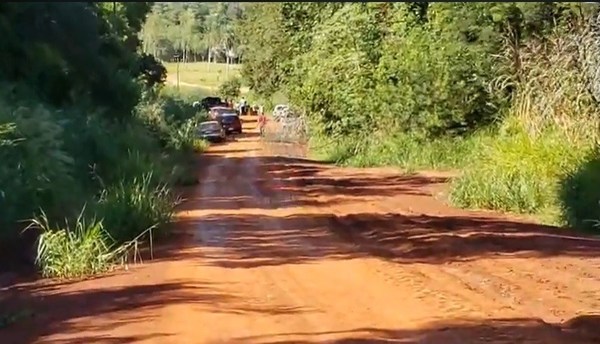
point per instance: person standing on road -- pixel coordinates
(262, 121)
(243, 106)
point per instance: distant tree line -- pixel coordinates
(193, 31)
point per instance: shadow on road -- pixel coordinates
(289, 204)
(261, 240)
(310, 182)
(580, 330)
(49, 309)
(52, 311)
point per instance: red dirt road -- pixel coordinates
(282, 250)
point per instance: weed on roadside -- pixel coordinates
(130, 207)
(73, 251)
(84, 248)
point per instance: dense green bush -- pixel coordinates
(580, 194)
(89, 128)
(35, 166)
(516, 173)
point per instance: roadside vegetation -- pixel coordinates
(94, 136)
(91, 142)
(506, 94)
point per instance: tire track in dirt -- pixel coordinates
(285, 287)
(420, 284)
(290, 292)
(338, 278)
(428, 285)
(507, 291)
(556, 292)
(432, 285)
(363, 268)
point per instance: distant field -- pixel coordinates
(206, 77)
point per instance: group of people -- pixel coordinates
(244, 109)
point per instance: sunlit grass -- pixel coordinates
(202, 75)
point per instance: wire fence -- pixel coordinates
(286, 134)
(286, 126)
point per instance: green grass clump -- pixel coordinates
(127, 213)
(72, 252)
(130, 207)
(517, 173)
(401, 150)
(82, 250)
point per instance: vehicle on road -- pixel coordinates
(210, 102)
(212, 131)
(216, 111)
(231, 122)
(282, 112)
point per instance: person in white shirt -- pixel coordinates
(243, 106)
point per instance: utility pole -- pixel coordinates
(177, 60)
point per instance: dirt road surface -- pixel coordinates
(283, 250)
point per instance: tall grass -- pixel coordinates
(551, 128)
(83, 249)
(131, 206)
(74, 251)
(403, 150)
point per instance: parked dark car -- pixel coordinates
(231, 123)
(217, 111)
(210, 102)
(211, 131)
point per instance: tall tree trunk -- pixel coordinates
(209, 58)
(227, 60)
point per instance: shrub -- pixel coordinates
(35, 167)
(200, 145)
(231, 88)
(580, 194)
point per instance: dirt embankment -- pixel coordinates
(283, 250)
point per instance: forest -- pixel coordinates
(504, 95)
